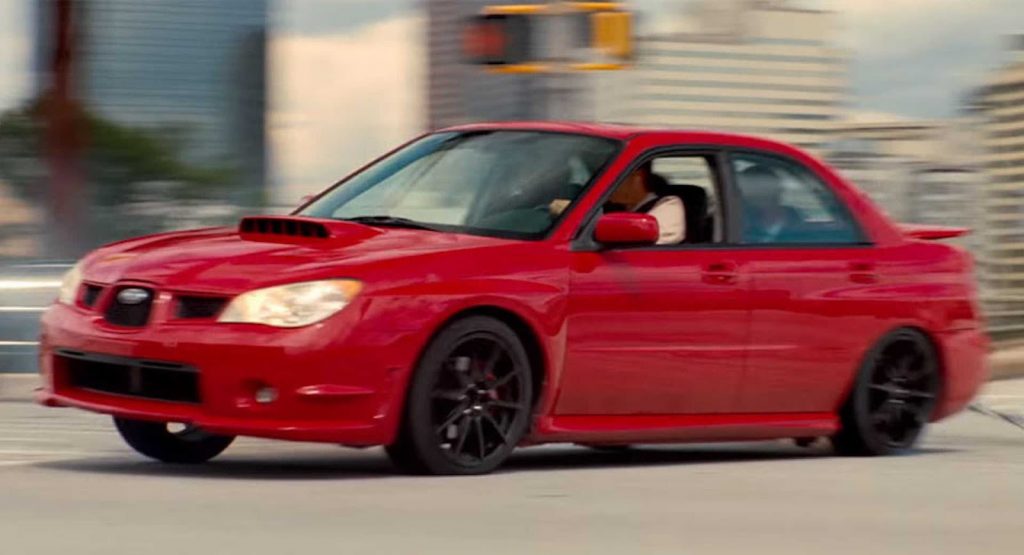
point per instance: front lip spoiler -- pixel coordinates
(362, 432)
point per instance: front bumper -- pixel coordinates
(336, 381)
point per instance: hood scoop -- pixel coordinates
(292, 229)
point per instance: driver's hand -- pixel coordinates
(558, 206)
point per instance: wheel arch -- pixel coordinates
(524, 330)
(930, 337)
(932, 340)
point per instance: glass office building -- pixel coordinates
(195, 68)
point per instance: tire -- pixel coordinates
(892, 398)
(469, 401)
(154, 440)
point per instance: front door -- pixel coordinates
(659, 330)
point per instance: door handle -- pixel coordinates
(720, 273)
(863, 272)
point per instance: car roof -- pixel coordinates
(624, 132)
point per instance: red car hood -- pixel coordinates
(223, 260)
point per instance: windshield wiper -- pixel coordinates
(390, 221)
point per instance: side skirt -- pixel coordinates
(682, 428)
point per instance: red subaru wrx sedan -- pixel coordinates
(490, 286)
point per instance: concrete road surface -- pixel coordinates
(68, 485)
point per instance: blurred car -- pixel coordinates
(491, 286)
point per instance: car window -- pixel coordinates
(454, 176)
(785, 203)
(513, 183)
(692, 170)
(680, 192)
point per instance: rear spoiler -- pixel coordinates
(931, 232)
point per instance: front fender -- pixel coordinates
(538, 305)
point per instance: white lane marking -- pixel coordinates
(40, 452)
(11, 439)
(43, 457)
(22, 309)
(32, 427)
(22, 284)
(1003, 397)
(63, 432)
(18, 343)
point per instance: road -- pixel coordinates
(68, 485)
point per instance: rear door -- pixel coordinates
(809, 265)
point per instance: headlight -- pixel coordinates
(69, 284)
(292, 306)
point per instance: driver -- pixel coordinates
(638, 193)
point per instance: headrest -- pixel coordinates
(658, 184)
(692, 195)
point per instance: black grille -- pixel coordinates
(199, 307)
(129, 315)
(283, 226)
(163, 381)
(91, 294)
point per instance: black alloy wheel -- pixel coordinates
(469, 402)
(893, 398)
(171, 443)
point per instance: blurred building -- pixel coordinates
(895, 135)
(947, 195)
(884, 176)
(192, 67)
(753, 66)
(999, 106)
(458, 92)
(922, 172)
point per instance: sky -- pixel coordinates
(349, 79)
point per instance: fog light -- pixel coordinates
(265, 395)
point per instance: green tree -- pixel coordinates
(136, 179)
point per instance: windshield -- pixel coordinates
(507, 183)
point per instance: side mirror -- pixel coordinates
(626, 228)
(305, 199)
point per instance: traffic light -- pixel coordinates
(500, 39)
(612, 34)
(566, 36)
